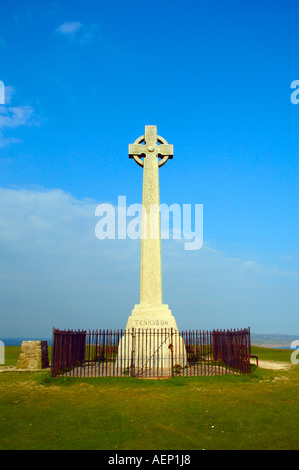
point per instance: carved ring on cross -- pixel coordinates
(160, 140)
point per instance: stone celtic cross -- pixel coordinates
(151, 151)
(155, 152)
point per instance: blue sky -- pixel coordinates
(82, 79)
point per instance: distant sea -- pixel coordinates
(263, 340)
(18, 341)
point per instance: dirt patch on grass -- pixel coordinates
(274, 365)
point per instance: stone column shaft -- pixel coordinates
(150, 264)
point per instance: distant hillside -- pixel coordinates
(273, 341)
(263, 340)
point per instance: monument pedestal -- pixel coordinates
(151, 344)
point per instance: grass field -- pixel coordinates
(257, 411)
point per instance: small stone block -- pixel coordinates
(33, 355)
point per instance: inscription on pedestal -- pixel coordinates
(151, 323)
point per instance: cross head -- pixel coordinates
(147, 146)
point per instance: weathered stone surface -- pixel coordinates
(151, 300)
(33, 355)
(151, 151)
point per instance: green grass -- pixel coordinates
(11, 355)
(272, 354)
(257, 411)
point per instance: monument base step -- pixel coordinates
(151, 316)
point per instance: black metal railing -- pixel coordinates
(149, 353)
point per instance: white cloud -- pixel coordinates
(9, 93)
(13, 117)
(5, 141)
(69, 27)
(55, 272)
(76, 31)
(17, 116)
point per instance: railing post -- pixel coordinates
(132, 368)
(171, 351)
